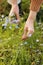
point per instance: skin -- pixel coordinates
(15, 9)
(29, 26)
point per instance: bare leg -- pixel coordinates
(29, 26)
(15, 10)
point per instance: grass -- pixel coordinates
(14, 51)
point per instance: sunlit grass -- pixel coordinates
(14, 51)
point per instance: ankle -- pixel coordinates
(32, 16)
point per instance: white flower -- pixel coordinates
(2, 16)
(21, 44)
(29, 35)
(38, 61)
(37, 40)
(25, 42)
(6, 19)
(4, 25)
(37, 50)
(41, 44)
(10, 27)
(39, 53)
(39, 23)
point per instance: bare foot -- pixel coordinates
(28, 31)
(29, 34)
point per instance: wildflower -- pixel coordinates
(25, 42)
(10, 27)
(38, 61)
(6, 20)
(39, 53)
(4, 26)
(37, 50)
(41, 44)
(37, 40)
(21, 44)
(2, 16)
(39, 23)
(29, 35)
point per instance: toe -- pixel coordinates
(24, 37)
